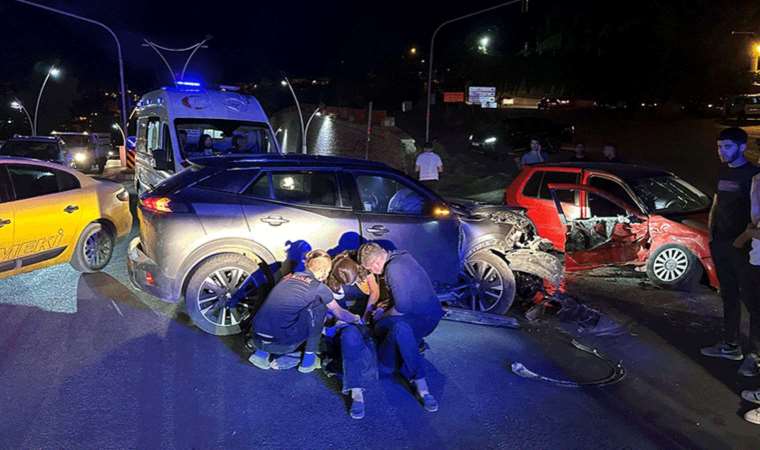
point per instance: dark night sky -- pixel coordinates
(647, 45)
(251, 39)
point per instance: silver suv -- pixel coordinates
(204, 230)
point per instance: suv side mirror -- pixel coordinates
(161, 160)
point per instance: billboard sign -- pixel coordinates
(481, 95)
(453, 97)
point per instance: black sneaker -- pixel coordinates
(751, 366)
(724, 350)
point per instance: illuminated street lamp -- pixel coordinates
(316, 113)
(286, 83)
(116, 126)
(52, 72)
(413, 51)
(432, 47)
(18, 106)
(483, 44)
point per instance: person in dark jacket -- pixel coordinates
(415, 313)
(293, 314)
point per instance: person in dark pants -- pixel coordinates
(729, 217)
(293, 314)
(352, 344)
(414, 315)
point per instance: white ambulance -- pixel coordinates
(187, 121)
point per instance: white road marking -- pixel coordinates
(117, 308)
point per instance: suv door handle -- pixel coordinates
(71, 208)
(275, 221)
(377, 230)
(4, 222)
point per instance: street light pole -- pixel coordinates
(54, 72)
(16, 104)
(430, 59)
(308, 122)
(286, 82)
(118, 50)
(121, 131)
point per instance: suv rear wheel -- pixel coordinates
(211, 286)
(492, 283)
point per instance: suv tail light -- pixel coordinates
(163, 205)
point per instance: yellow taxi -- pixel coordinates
(50, 214)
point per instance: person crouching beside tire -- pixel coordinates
(292, 317)
(415, 314)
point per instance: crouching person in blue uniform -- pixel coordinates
(414, 315)
(292, 317)
(351, 346)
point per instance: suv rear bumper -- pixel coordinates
(140, 265)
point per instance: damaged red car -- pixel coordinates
(604, 214)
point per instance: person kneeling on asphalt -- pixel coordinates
(414, 315)
(293, 315)
(352, 344)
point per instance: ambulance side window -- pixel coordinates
(168, 144)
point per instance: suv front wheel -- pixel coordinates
(492, 283)
(211, 287)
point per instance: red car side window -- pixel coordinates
(533, 185)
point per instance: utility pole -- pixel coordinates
(432, 46)
(118, 50)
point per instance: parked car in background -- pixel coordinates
(513, 135)
(50, 214)
(88, 151)
(742, 107)
(234, 215)
(43, 148)
(603, 214)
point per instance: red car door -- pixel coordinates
(533, 195)
(609, 231)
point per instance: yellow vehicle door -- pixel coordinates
(48, 214)
(7, 226)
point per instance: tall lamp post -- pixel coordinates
(123, 136)
(17, 105)
(52, 72)
(316, 113)
(118, 50)
(432, 44)
(286, 83)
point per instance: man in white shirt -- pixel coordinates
(429, 166)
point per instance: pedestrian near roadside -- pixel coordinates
(414, 315)
(729, 216)
(292, 317)
(429, 166)
(610, 153)
(535, 155)
(579, 154)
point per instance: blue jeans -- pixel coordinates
(400, 338)
(359, 361)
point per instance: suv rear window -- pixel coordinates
(181, 180)
(232, 181)
(45, 151)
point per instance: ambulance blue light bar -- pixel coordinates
(188, 83)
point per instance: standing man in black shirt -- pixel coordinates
(293, 314)
(729, 217)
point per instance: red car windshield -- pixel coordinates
(669, 194)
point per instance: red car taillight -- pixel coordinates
(163, 205)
